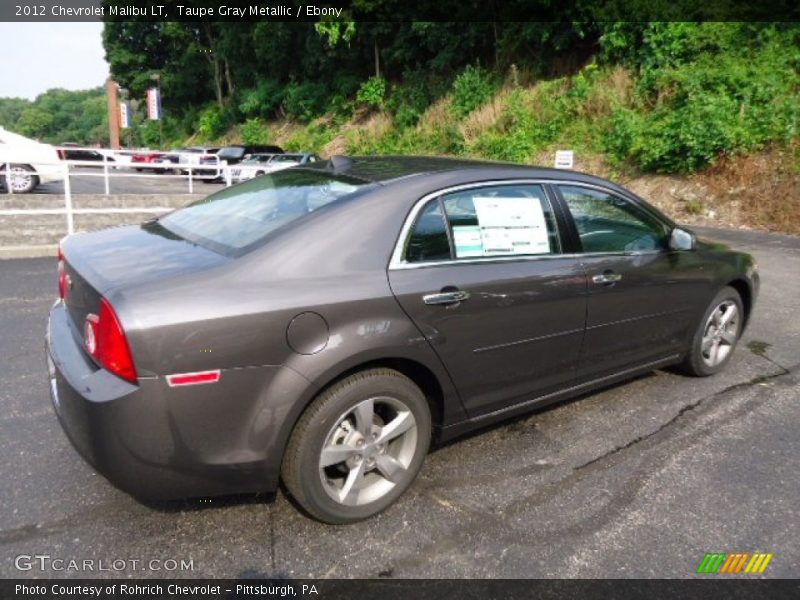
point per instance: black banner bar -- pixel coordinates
(709, 588)
(399, 10)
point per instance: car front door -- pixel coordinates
(481, 273)
(642, 296)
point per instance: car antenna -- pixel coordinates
(338, 163)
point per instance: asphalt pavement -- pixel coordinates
(639, 480)
(90, 180)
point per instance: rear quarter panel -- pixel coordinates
(333, 264)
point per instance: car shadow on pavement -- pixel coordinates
(200, 504)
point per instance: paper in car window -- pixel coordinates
(506, 226)
(468, 241)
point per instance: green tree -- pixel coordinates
(35, 122)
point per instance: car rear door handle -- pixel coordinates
(453, 297)
(607, 277)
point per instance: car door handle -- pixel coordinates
(607, 277)
(453, 297)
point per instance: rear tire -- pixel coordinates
(358, 446)
(23, 179)
(717, 335)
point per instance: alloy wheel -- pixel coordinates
(368, 450)
(720, 333)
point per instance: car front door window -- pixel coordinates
(608, 223)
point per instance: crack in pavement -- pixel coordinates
(499, 522)
(691, 406)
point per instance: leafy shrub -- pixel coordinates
(212, 123)
(472, 88)
(305, 101)
(719, 104)
(309, 138)
(371, 93)
(263, 100)
(340, 103)
(150, 133)
(253, 131)
(409, 101)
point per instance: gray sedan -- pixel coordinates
(326, 324)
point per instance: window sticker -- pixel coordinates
(507, 226)
(468, 242)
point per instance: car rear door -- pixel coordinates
(642, 296)
(480, 271)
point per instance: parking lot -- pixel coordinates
(639, 480)
(89, 180)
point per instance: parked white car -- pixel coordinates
(284, 161)
(28, 161)
(251, 166)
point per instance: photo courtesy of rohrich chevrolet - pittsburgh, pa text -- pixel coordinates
(377, 299)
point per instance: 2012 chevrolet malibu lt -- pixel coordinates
(324, 325)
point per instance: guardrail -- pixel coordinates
(61, 170)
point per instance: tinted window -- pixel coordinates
(428, 240)
(234, 152)
(292, 158)
(238, 217)
(501, 221)
(608, 223)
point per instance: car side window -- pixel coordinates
(609, 223)
(510, 220)
(428, 239)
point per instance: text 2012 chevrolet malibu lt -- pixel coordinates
(324, 325)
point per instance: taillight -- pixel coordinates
(60, 153)
(62, 276)
(105, 340)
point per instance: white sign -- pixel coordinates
(564, 159)
(505, 226)
(153, 104)
(124, 115)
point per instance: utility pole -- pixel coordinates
(113, 113)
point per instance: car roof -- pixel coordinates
(383, 169)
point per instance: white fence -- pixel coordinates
(61, 170)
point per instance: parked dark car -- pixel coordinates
(233, 155)
(72, 151)
(325, 324)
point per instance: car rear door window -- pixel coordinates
(484, 222)
(428, 240)
(501, 221)
(609, 223)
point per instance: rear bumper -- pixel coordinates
(157, 442)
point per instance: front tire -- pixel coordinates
(23, 179)
(716, 336)
(358, 446)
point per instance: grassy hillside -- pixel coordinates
(704, 126)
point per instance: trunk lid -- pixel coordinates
(101, 261)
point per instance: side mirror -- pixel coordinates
(680, 239)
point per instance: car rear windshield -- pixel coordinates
(236, 219)
(231, 152)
